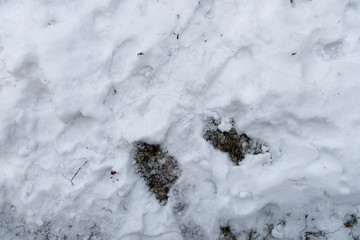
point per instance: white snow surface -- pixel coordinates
(74, 90)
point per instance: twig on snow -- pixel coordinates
(77, 172)
(335, 230)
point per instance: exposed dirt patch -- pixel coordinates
(236, 145)
(157, 168)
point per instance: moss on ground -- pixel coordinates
(236, 145)
(157, 168)
(227, 234)
(351, 222)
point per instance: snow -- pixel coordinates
(84, 81)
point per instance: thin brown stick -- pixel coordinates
(77, 172)
(306, 216)
(335, 230)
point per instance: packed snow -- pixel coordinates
(82, 83)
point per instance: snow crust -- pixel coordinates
(82, 81)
